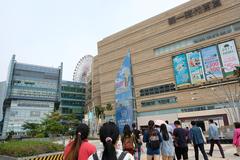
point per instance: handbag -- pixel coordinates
(204, 138)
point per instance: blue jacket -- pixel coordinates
(213, 132)
(196, 135)
(150, 151)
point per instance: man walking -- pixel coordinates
(180, 142)
(214, 138)
(198, 140)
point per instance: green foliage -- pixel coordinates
(32, 128)
(28, 148)
(54, 124)
(99, 111)
(109, 107)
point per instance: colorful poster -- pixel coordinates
(195, 67)
(124, 94)
(211, 63)
(229, 57)
(181, 71)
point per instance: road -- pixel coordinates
(229, 150)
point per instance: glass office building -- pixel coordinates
(73, 98)
(32, 92)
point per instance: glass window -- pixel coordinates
(196, 39)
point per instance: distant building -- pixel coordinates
(32, 92)
(183, 62)
(73, 98)
(2, 97)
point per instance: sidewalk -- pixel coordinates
(229, 150)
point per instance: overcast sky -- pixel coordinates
(48, 32)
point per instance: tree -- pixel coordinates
(32, 128)
(99, 112)
(54, 124)
(109, 107)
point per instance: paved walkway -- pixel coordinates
(229, 150)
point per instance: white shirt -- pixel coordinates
(127, 157)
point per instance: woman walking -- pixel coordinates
(128, 140)
(167, 148)
(153, 140)
(236, 138)
(109, 135)
(79, 148)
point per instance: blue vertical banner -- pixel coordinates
(124, 94)
(211, 63)
(181, 71)
(195, 67)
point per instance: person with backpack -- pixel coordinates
(79, 148)
(109, 135)
(137, 135)
(167, 148)
(197, 138)
(153, 140)
(128, 140)
(180, 141)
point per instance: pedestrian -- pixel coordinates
(213, 136)
(153, 140)
(236, 138)
(79, 148)
(138, 140)
(128, 140)
(167, 148)
(169, 127)
(197, 138)
(109, 135)
(188, 135)
(180, 141)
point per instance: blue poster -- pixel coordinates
(211, 63)
(124, 94)
(195, 67)
(181, 72)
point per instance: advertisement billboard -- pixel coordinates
(124, 94)
(229, 57)
(181, 71)
(195, 67)
(211, 62)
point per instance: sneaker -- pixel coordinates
(235, 154)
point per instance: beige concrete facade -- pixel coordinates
(150, 69)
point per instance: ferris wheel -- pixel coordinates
(83, 69)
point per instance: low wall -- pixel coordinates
(50, 156)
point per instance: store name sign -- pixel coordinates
(195, 11)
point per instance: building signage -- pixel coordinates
(195, 11)
(195, 67)
(181, 71)
(124, 94)
(229, 57)
(212, 65)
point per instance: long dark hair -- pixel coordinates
(127, 131)
(151, 126)
(164, 132)
(109, 135)
(81, 134)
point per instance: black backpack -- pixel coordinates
(154, 141)
(121, 157)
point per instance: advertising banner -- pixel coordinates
(123, 94)
(181, 71)
(229, 57)
(211, 63)
(195, 67)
